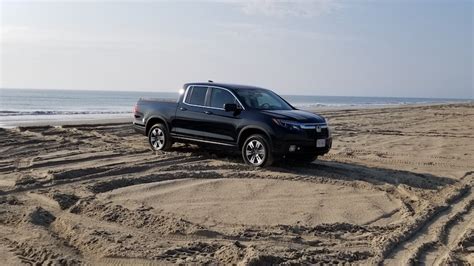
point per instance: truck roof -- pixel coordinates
(223, 85)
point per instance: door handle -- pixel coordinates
(208, 112)
(182, 109)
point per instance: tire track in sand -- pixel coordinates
(432, 231)
(450, 236)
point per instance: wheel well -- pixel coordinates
(154, 121)
(251, 131)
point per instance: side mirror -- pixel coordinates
(230, 107)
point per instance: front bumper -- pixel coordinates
(307, 147)
(302, 142)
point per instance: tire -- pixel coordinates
(159, 138)
(256, 151)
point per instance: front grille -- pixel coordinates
(323, 134)
(312, 134)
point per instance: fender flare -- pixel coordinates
(254, 127)
(156, 117)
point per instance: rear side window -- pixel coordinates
(220, 97)
(196, 95)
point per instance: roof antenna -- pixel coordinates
(210, 81)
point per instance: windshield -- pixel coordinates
(262, 99)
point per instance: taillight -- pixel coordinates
(135, 109)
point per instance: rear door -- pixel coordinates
(191, 118)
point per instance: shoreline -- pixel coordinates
(52, 120)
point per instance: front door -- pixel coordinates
(222, 127)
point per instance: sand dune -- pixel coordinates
(396, 188)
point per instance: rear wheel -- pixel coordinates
(256, 151)
(159, 138)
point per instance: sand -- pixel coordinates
(396, 188)
(229, 201)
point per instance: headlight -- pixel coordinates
(292, 125)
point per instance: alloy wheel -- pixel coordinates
(255, 152)
(157, 138)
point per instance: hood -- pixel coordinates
(296, 115)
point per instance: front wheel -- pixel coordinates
(159, 138)
(256, 151)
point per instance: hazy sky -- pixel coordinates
(357, 48)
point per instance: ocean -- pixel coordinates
(23, 105)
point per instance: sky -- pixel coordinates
(400, 48)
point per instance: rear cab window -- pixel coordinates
(196, 95)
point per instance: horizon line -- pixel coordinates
(177, 92)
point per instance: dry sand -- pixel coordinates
(395, 189)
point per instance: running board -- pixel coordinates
(204, 141)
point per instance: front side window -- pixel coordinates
(262, 99)
(196, 95)
(220, 97)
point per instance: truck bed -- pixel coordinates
(148, 108)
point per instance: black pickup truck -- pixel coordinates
(256, 121)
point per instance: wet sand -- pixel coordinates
(396, 188)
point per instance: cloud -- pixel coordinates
(31, 36)
(251, 31)
(295, 8)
